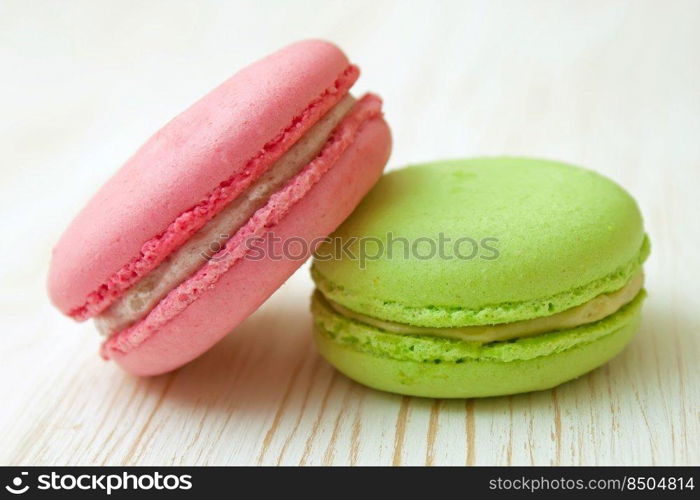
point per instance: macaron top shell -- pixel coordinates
(188, 171)
(538, 237)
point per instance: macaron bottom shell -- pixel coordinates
(392, 363)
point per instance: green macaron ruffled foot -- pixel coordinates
(446, 368)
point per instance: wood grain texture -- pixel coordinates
(611, 85)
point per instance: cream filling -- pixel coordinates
(594, 310)
(138, 300)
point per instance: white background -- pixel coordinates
(612, 85)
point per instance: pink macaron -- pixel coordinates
(196, 230)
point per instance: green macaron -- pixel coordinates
(481, 277)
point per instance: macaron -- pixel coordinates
(481, 277)
(191, 235)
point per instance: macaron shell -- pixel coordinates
(167, 189)
(479, 376)
(563, 234)
(247, 284)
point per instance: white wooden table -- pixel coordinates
(611, 85)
